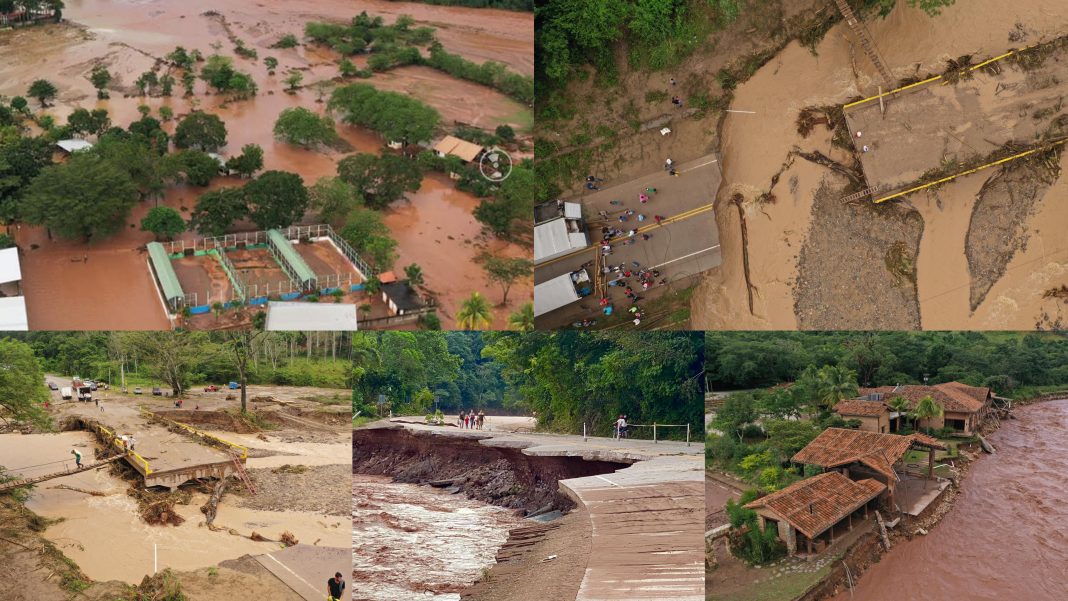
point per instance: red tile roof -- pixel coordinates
(953, 396)
(861, 407)
(815, 504)
(838, 446)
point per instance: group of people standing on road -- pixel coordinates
(472, 420)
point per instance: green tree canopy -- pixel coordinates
(333, 198)
(217, 210)
(164, 222)
(302, 127)
(42, 90)
(505, 271)
(202, 131)
(370, 237)
(248, 162)
(22, 389)
(83, 198)
(276, 199)
(381, 179)
(396, 117)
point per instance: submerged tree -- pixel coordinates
(42, 90)
(475, 313)
(276, 199)
(164, 222)
(200, 130)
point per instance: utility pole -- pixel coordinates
(866, 41)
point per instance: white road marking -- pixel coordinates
(687, 256)
(297, 576)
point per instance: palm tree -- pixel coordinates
(927, 409)
(475, 313)
(901, 406)
(836, 382)
(523, 319)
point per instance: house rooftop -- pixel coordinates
(467, 151)
(403, 296)
(72, 145)
(815, 504)
(861, 408)
(311, 317)
(952, 396)
(839, 446)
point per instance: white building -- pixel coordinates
(558, 235)
(12, 303)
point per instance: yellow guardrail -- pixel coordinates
(114, 440)
(970, 171)
(240, 448)
(936, 78)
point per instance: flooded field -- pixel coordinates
(129, 36)
(437, 231)
(756, 149)
(1004, 538)
(412, 543)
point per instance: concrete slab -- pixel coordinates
(913, 495)
(305, 568)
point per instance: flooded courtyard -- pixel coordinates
(412, 543)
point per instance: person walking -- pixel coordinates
(335, 587)
(77, 458)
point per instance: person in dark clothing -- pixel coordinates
(335, 586)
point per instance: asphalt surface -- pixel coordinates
(647, 519)
(685, 244)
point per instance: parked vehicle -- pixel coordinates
(66, 392)
(157, 392)
(211, 388)
(137, 390)
(52, 386)
(93, 385)
(235, 386)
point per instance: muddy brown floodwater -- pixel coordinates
(1005, 538)
(413, 543)
(114, 288)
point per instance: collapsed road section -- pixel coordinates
(641, 504)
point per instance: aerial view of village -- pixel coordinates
(174, 465)
(885, 466)
(503, 466)
(886, 164)
(172, 164)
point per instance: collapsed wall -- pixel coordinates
(501, 476)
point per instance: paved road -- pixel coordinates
(647, 519)
(686, 243)
(305, 568)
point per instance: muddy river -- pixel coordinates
(417, 543)
(129, 36)
(108, 540)
(1005, 538)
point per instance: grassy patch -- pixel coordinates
(361, 421)
(783, 587)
